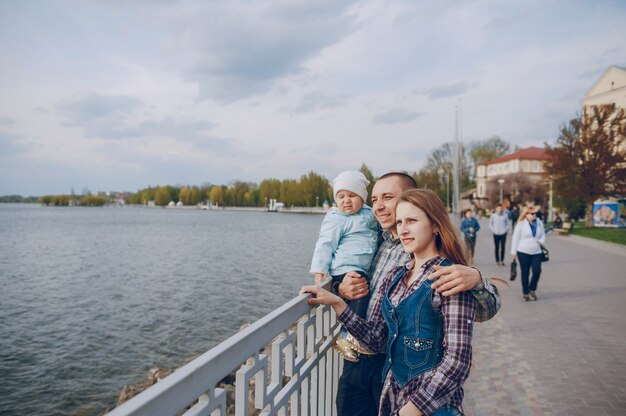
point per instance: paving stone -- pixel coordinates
(562, 355)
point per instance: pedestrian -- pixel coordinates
(499, 225)
(360, 384)
(469, 227)
(427, 336)
(347, 242)
(526, 244)
(514, 216)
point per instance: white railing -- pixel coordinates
(298, 376)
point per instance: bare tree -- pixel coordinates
(589, 158)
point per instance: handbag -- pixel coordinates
(513, 270)
(545, 254)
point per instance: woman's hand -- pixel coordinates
(324, 297)
(515, 257)
(410, 409)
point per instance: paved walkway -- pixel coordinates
(564, 354)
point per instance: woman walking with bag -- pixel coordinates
(528, 237)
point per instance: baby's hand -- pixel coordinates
(319, 277)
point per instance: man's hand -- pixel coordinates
(410, 409)
(353, 287)
(454, 279)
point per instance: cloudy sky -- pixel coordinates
(120, 95)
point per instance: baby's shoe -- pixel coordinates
(346, 349)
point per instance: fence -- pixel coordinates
(283, 364)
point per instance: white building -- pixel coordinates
(610, 88)
(529, 161)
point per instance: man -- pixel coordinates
(361, 383)
(499, 224)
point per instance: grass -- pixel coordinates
(612, 235)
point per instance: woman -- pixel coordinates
(426, 336)
(526, 248)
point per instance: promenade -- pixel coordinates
(564, 354)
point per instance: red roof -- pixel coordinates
(530, 153)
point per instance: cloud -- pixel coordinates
(242, 48)
(101, 116)
(319, 101)
(449, 90)
(10, 145)
(395, 116)
(5, 121)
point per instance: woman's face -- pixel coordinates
(415, 229)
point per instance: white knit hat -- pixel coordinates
(353, 181)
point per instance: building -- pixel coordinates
(610, 88)
(528, 162)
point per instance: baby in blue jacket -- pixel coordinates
(347, 242)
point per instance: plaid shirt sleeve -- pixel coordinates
(373, 333)
(441, 383)
(487, 298)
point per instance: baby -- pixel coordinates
(347, 242)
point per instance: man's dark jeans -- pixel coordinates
(500, 243)
(360, 386)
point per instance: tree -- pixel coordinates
(197, 195)
(185, 196)
(441, 157)
(589, 158)
(313, 189)
(367, 172)
(488, 149)
(216, 195)
(162, 196)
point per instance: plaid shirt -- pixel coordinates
(442, 384)
(391, 254)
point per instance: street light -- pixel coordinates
(501, 182)
(441, 171)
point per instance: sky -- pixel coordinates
(121, 95)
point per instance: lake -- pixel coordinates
(92, 298)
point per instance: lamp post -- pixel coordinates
(317, 201)
(441, 171)
(501, 182)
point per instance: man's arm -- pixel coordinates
(458, 278)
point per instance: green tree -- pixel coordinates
(367, 172)
(162, 196)
(269, 189)
(590, 155)
(197, 195)
(312, 189)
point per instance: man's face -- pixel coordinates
(499, 210)
(385, 196)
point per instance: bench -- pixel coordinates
(567, 226)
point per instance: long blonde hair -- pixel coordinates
(447, 241)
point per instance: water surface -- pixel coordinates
(92, 298)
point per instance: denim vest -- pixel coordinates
(415, 342)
